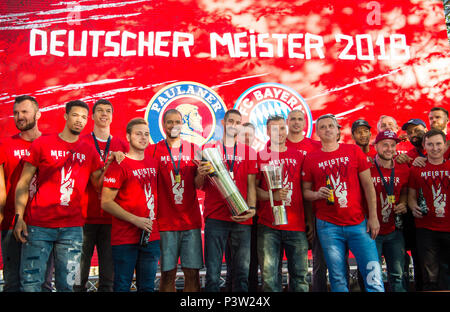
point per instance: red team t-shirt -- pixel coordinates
(136, 181)
(93, 212)
(63, 172)
(12, 152)
(305, 146)
(343, 167)
(403, 147)
(245, 163)
(179, 209)
(434, 180)
(385, 210)
(292, 161)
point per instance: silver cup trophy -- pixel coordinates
(274, 180)
(220, 177)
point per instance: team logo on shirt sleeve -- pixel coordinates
(259, 102)
(200, 106)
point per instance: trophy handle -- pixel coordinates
(271, 197)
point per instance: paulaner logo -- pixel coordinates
(259, 102)
(200, 106)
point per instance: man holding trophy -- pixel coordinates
(281, 216)
(230, 199)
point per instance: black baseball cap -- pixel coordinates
(414, 121)
(358, 123)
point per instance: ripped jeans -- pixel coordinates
(66, 244)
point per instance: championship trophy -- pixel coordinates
(220, 177)
(274, 178)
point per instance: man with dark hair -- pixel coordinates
(129, 195)
(179, 215)
(97, 228)
(53, 219)
(361, 135)
(290, 238)
(332, 177)
(219, 223)
(12, 151)
(429, 201)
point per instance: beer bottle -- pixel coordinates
(145, 236)
(330, 199)
(422, 203)
(398, 220)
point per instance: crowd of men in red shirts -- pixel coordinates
(64, 194)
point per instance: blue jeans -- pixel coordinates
(66, 244)
(216, 235)
(129, 257)
(392, 246)
(270, 243)
(334, 239)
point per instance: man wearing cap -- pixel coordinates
(390, 180)
(415, 129)
(361, 135)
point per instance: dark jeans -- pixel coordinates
(270, 243)
(129, 257)
(97, 235)
(392, 247)
(434, 255)
(217, 233)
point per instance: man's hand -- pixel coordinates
(21, 231)
(143, 223)
(118, 156)
(403, 158)
(245, 216)
(281, 194)
(420, 162)
(415, 209)
(310, 232)
(373, 227)
(204, 168)
(323, 193)
(401, 208)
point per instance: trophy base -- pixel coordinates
(279, 215)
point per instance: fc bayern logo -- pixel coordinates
(200, 106)
(263, 100)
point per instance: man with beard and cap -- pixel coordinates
(415, 129)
